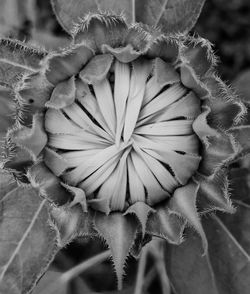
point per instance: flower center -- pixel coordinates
(127, 137)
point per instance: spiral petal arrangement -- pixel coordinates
(134, 126)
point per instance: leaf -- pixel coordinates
(28, 242)
(13, 15)
(49, 41)
(228, 258)
(239, 224)
(225, 270)
(49, 277)
(69, 12)
(171, 15)
(188, 271)
(7, 184)
(16, 59)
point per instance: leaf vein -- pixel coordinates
(25, 235)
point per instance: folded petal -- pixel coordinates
(136, 188)
(183, 166)
(163, 100)
(121, 92)
(140, 72)
(154, 191)
(104, 97)
(163, 74)
(54, 161)
(115, 186)
(188, 144)
(97, 178)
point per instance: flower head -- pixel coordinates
(134, 126)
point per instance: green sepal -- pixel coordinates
(49, 184)
(96, 30)
(139, 243)
(164, 47)
(227, 110)
(119, 231)
(123, 54)
(73, 222)
(32, 93)
(242, 137)
(183, 202)
(63, 94)
(166, 224)
(213, 193)
(97, 69)
(63, 65)
(32, 139)
(142, 211)
(197, 53)
(219, 152)
(79, 197)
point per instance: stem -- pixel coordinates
(157, 251)
(140, 272)
(75, 271)
(150, 276)
(133, 12)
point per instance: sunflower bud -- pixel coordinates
(135, 127)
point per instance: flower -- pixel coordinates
(132, 125)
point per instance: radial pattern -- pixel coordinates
(128, 136)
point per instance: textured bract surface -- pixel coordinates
(127, 135)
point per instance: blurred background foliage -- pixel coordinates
(227, 25)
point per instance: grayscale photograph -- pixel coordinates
(124, 147)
